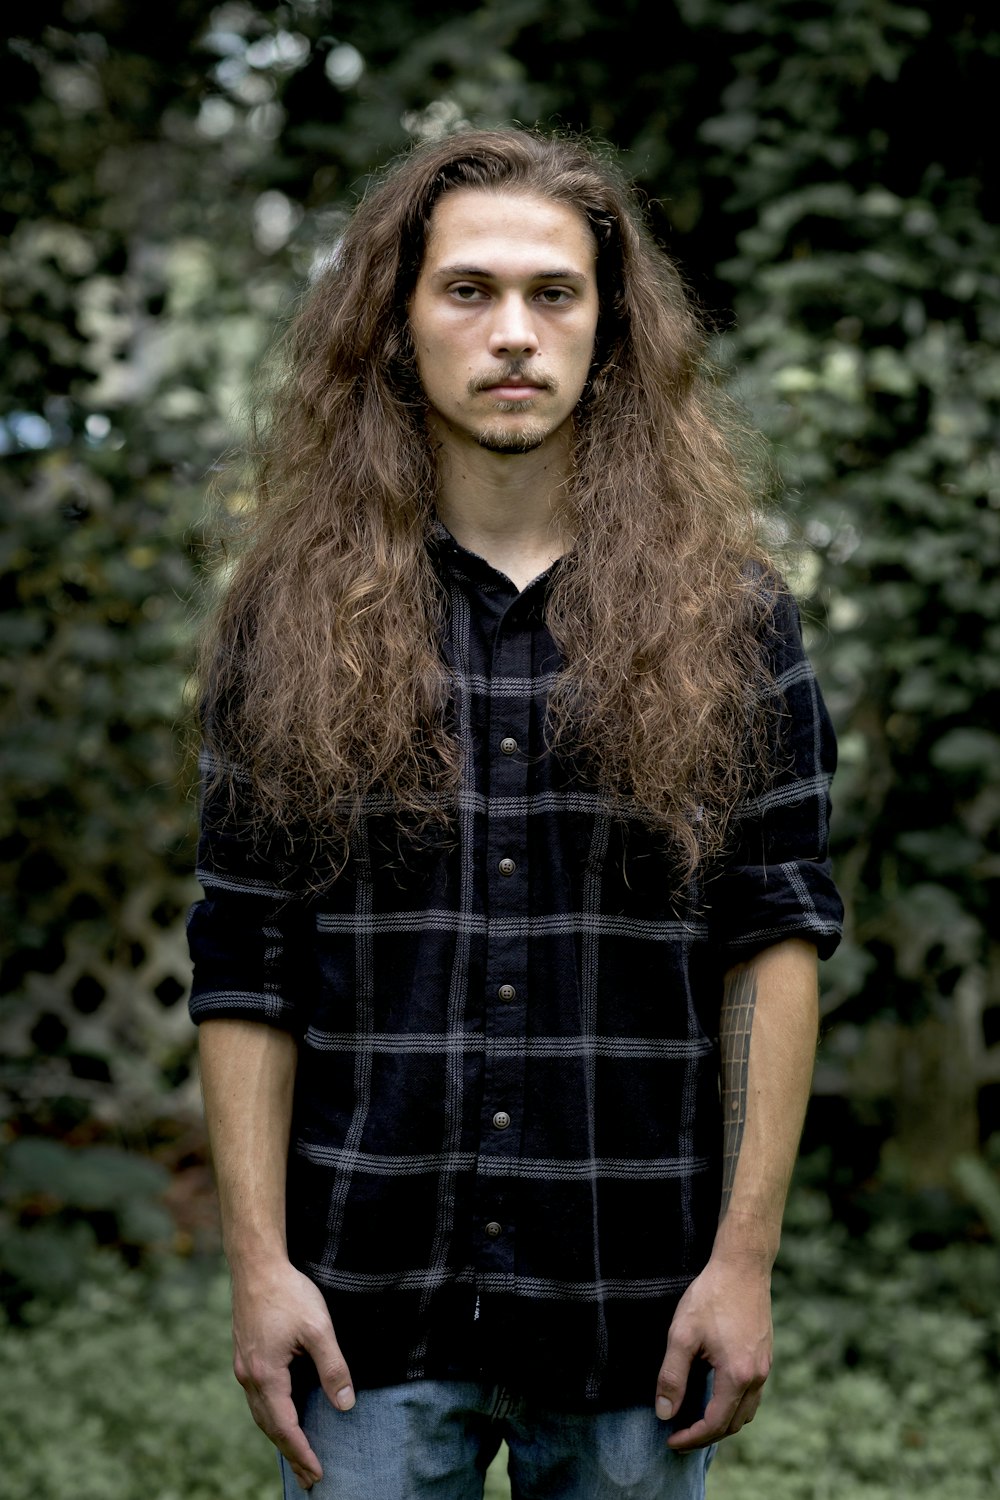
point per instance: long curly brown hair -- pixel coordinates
(322, 674)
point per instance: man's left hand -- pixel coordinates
(724, 1318)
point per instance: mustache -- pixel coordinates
(514, 371)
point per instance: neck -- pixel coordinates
(504, 506)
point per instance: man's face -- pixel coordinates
(503, 318)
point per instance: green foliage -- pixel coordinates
(885, 1385)
(129, 1392)
(168, 181)
(885, 1378)
(867, 291)
(979, 1180)
(133, 314)
(60, 1207)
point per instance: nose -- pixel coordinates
(512, 334)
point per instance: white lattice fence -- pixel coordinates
(108, 1029)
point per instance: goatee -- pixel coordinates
(503, 440)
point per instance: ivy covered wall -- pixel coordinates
(169, 177)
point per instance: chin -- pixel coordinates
(508, 440)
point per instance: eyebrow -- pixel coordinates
(562, 274)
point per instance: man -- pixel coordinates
(514, 860)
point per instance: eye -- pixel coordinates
(554, 296)
(466, 292)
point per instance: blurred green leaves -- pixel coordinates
(167, 183)
(60, 1206)
(884, 1384)
(867, 291)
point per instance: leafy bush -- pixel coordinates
(60, 1206)
(164, 183)
(127, 1393)
(887, 1375)
(885, 1387)
(868, 304)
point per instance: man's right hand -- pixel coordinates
(277, 1314)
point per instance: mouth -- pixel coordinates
(512, 390)
(510, 385)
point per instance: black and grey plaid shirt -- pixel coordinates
(505, 1152)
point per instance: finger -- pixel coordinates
(732, 1405)
(714, 1424)
(745, 1411)
(331, 1366)
(273, 1410)
(698, 1435)
(671, 1383)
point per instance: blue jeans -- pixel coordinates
(435, 1439)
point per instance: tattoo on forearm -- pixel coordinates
(735, 1025)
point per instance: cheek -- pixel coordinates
(437, 346)
(442, 374)
(582, 359)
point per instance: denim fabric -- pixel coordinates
(435, 1439)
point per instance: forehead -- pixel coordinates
(507, 231)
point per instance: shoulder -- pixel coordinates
(777, 618)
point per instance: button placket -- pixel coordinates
(506, 945)
(506, 988)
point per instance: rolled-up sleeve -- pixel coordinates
(777, 882)
(247, 937)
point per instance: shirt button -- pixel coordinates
(508, 745)
(507, 992)
(493, 1229)
(507, 867)
(501, 1119)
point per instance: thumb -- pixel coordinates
(331, 1366)
(671, 1383)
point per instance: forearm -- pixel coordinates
(248, 1078)
(768, 1029)
(767, 1032)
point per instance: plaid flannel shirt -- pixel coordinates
(505, 1154)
